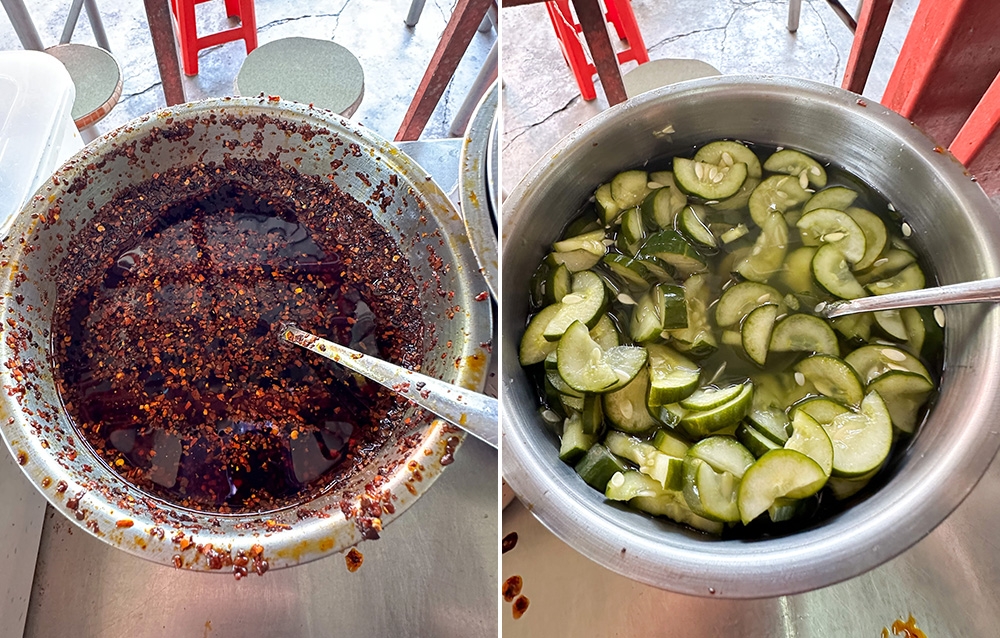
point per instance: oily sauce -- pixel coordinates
(167, 350)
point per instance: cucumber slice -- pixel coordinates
(634, 272)
(690, 221)
(586, 368)
(564, 389)
(662, 308)
(909, 278)
(710, 397)
(724, 454)
(871, 362)
(628, 188)
(875, 235)
(768, 252)
(821, 409)
(633, 231)
(886, 266)
(672, 248)
(709, 493)
(575, 260)
(673, 506)
(772, 423)
(592, 242)
(778, 474)
(592, 415)
(658, 269)
(804, 333)
(785, 509)
(734, 233)
(626, 408)
(796, 272)
(831, 271)
(861, 441)
(740, 199)
(624, 486)
(891, 323)
(671, 444)
(575, 442)
(832, 377)
(836, 197)
(666, 470)
(780, 390)
(756, 332)
(571, 404)
(672, 376)
(757, 443)
(697, 339)
(836, 228)
(597, 467)
(809, 437)
(660, 207)
(777, 193)
(703, 423)
(558, 283)
(605, 333)
(737, 302)
(606, 206)
(584, 303)
(843, 488)
(534, 346)
(795, 163)
(858, 327)
(923, 333)
(904, 394)
(729, 153)
(581, 225)
(708, 181)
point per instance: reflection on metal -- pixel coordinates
(474, 186)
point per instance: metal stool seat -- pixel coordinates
(97, 77)
(317, 72)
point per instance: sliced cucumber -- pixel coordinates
(875, 235)
(592, 242)
(871, 362)
(780, 389)
(861, 441)
(724, 454)
(886, 266)
(754, 441)
(592, 415)
(737, 302)
(659, 270)
(821, 409)
(809, 437)
(709, 181)
(626, 408)
(575, 260)
(670, 443)
(606, 206)
(710, 397)
(605, 333)
(661, 308)
(598, 465)
(587, 368)
(836, 228)
(660, 207)
(768, 252)
(923, 333)
(634, 272)
(534, 346)
(909, 278)
(697, 339)
(832, 377)
(672, 248)
(575, 442)
(729, 153)
(629, 188)
(624, 486)
(584, 303)
(837, 197)
(804, 333)
(796, 272)
(709, 493)
(831, 271)
(672, 376)
(703, 423)
(904, 394)
(778, 474)
(736, 232)
(777, 193)
(795, 163)
(691, 223)
(756, 332)
(772, 423)
(891, 323)
(740, 199)
(673, 506)
(558, 283)
(857, 327)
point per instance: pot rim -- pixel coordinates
(840, 547)
(287, 540)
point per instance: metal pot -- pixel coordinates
(400, 196)
(954, 227)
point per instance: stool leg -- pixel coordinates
(187, 35)
(615, 18)
(413, 16)
(595, 30)
(96, 25)
(248, 24)
(484, 79)
(576, 58)
(794, 10)
(871, 23)
(983, 122)
(636, 45)
(233, 8)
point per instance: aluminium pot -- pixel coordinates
(954, 227)
(401, 197)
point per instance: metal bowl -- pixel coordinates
(400, 196)
(954, 227)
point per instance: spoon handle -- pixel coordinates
(967, 292)
(473, 412)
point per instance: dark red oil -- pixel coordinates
(171, 366)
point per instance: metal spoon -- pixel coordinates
(473, 412)
(968, 292)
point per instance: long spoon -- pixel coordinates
(968, 292)
(473, 412)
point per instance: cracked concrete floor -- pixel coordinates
(541, 102)
(392, 55)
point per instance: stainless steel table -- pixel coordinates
(433, 572)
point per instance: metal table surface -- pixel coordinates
(433, 572)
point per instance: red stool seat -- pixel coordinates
(619, 14)
(187, 32)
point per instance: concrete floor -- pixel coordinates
(541, 102)
(392, 55)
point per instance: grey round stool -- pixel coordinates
(306, 70)
(98, 81)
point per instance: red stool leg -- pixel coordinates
(612, 15)
(871, 23)
(583, 70)
(636, 45)
(187, 36)
(233, 8)
(554, 18)
(984, 122)
(248, 23)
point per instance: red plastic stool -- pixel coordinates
(619, 14)
(187, 32)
